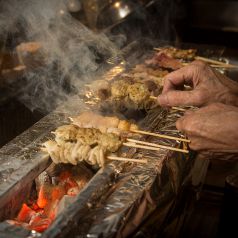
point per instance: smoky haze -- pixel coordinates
(68, 56)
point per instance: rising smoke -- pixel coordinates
(70, 52)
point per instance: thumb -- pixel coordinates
(181, 98)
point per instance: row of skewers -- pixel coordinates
(172, 54)
(138, 88)
(96, 139)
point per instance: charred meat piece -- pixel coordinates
(110, 142)
(160, 59)
(138, 93)
(119, 88)
(103, 94)
(65, 133)
(88, 136)
(142, 68)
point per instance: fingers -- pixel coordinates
(191, 74)
(201, 127)
(182, 98)
(193, 121)
(185, 75)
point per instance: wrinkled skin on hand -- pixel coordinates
(208, 86)
(213, 128)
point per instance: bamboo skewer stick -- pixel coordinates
(229, 66)
(158, 49)
(158, 146)
(143, 161)
(179, 109)
(214, 62)
(209, 60)
(218, 65)
(161, 135)
(133, 145)
(153, 97)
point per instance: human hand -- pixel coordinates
(213, 128)
(208, 85)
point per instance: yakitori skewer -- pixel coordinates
(215, 62)
(143, 161)
(157, 145)
(212, 62)
(157, 48)
(161, 135)
(115, 125)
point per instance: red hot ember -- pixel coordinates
(38, 215)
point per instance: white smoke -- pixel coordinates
(70, 52)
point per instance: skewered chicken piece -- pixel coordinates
(73, 144)
(134, 89)
(65, 152)
(138, 93)
(133, 95)
(122, 88)
(119, 88)
(66, 133)
(147, 79)
(104, 124)
(152, 73)
(152, 78)
(161, 59)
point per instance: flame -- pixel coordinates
(25, 214)
(41, 214)
(42, 198)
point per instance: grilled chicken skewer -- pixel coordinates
(115, 125)
(104, 124)
(73, 144)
